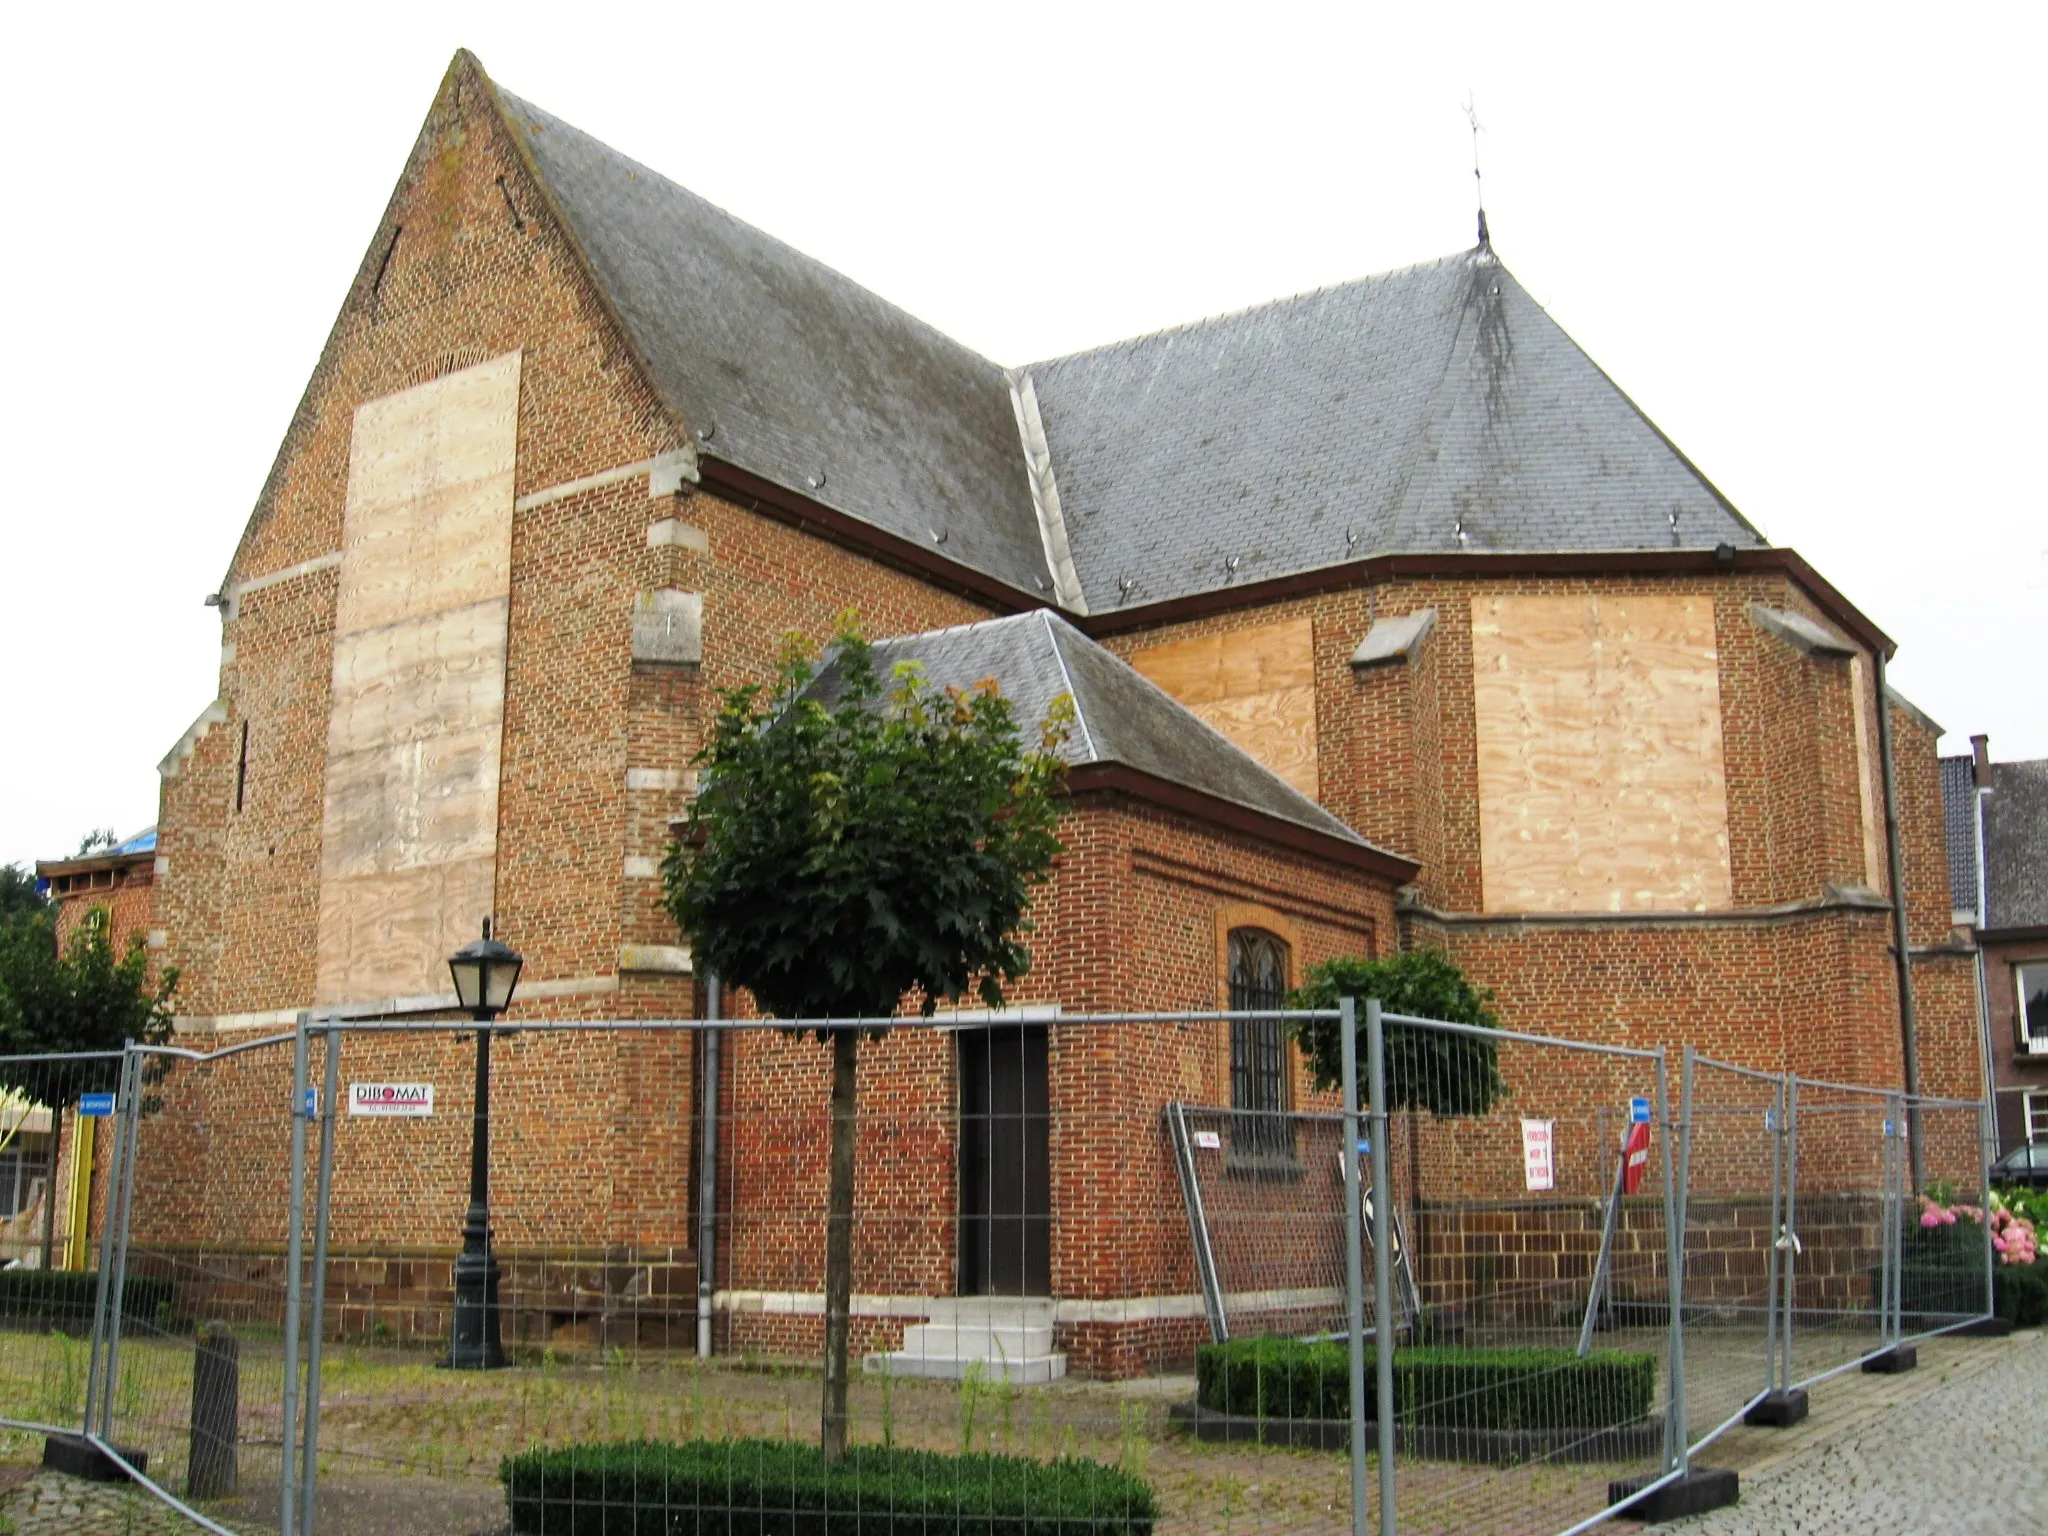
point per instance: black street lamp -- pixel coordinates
(485, 972)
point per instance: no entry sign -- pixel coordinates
(415, 1100)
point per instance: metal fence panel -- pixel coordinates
(1540, 1221)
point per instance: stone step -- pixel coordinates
(974, 1341)
(1021, 1370)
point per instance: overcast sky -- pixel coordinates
(1790, 233)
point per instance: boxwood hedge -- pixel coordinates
(1434, 1385)
(65, 1298)
(780, 1488)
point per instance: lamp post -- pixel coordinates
(485, 972)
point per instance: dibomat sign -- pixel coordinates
(391, 1099)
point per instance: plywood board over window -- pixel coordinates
(1601, 786)
(1256, 686)
(409, 833)
(1869, 794)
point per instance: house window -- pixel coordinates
(2037, 1116)
(1258, 1047)
(21, 1165)
(2031, 983)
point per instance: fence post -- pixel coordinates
(295, 1233)
(1791, 1267)
(1382, 1247)
(309, 1476)
(1677, 1456)
(1987, 1135)
(102, 1297)
(1354, 1257)
(211, 1471)
(1774, 1122)
(131, 1114)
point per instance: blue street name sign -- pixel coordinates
(1888, 1129)
(1364, 1147)
(96, 1106)
(312, 1103)
(1639, 1111)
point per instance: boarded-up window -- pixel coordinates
(409, 835)
(1256, 686)
(1600, 774)
(1869, 796)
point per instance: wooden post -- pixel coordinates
(216, 1414)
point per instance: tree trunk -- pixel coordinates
(839, 1246)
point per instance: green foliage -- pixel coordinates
(845, 851)
(19, 898)
(1438, 1070)
(96, 841)
(1439, 1386)
(66, 1297)
(777, 1488)
(83, 997)
(2021, 1293)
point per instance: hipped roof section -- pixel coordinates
(1435, 410)
(1120, 717)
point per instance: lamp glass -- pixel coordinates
(468, 971)
(501, 975)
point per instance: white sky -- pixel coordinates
(1784, 230)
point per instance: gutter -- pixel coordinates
(1902, 955)
(707, 1168)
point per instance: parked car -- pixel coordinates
(2026, 1165)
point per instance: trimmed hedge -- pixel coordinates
(780, 1488)
(67, 1296)
(2022, 1291)
(1439, 1386)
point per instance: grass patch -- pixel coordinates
(777, 1488)
(1434, 1385)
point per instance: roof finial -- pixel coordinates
(1478, 186)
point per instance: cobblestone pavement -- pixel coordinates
(51, 1504)
(1956, 1448)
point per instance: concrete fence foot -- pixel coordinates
(1778, 1410)
(1701, 1489)
(1895, 1361)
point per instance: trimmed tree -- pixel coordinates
(854, 845)
(79, 998)
(1438, 1070)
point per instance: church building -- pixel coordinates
(1389, 621)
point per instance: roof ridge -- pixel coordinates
(1203, 321)
(1052, 638)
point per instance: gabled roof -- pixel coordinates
(2016, 846)
(1121, 717)
(1436, 409)
(1432, 410)
(1959, 821)
(789, 371)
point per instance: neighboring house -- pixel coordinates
(114, 886)
(1998, 872)
(1446, 644)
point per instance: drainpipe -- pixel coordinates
(1902, 954)
(707, 1173)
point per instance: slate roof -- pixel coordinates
(2016, 845)
(1390, 415)
(793, 369)
(1434, 409)
(1959, 820)
(1120, 716)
